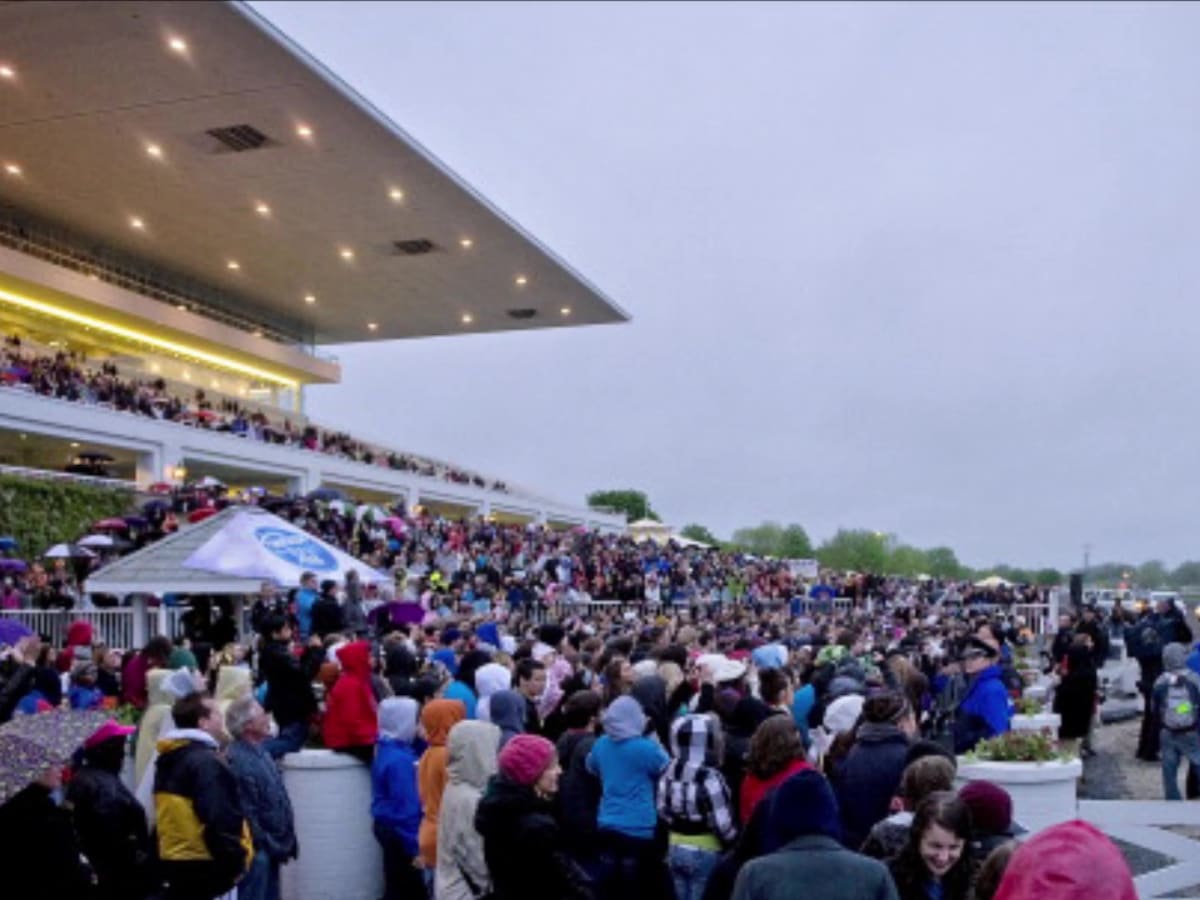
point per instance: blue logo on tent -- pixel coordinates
(298, 549)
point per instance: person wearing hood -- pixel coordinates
(522, 843)
(395, 801)
(1075, 696)
(437, 718)
(696, 804)
(78, 647)
(651, 692)
(462, 871)
(507, 711)
(84, 694)
(628, 766)
(1070, 861)
(462, 688)
(108, 819)
(164, 687)
(984, 710)
(1175, 702)
(400, 671)
(233, 683)
(489, 679)
(801, 838)
(354, 614)
(350, 712)
(869, 776)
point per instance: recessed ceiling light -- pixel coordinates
(566, 310)
(182, 306)
(396, 194)
(374, 326)
(467, 318)
(7, 72)
(12, 168)
(522, 281)
(233, 264)
(137, 223)
(187, 376)
(258, 332)
(346, 253)
(310, 298)
(154, 150)
(466, 243)
(216, 383)
(179, 45)
(74, 443)
(304, 131)
(262, 209)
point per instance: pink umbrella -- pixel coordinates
(111, 525)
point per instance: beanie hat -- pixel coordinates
(990, 805)
(525, 757)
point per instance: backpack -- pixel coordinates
(1179, 700)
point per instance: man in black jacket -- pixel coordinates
(289, 687)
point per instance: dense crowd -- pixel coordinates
(707, 751)
(66, 375)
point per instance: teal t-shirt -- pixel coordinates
(628, 771)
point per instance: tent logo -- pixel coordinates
(298, 549)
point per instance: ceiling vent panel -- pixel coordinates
(414, 247)
(239, 138)
(522, 313)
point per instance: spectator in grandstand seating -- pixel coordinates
(437, 718)
(350, 724)
(462, 872)
(868, 778)
(799, 835)
(264, 799)
(327, 616)
(288, 682)
(395, 805)
(695, 803)
(936, 861)
(921, 778)
(109, 821)
(1071, 861)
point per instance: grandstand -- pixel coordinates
(191, 210)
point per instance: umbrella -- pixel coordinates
(376, 512)
(151, 507)
(110, 525)
(136, 521)
(12, 630)
(325, 494)
(339, 507)
(104, 541)
(161, 487)
(68, 551)
(8, 543)
(199, 515)
(29, 745)
(13, 565)
(209, 482)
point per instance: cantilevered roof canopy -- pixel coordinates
(198, 138)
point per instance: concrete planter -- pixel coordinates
(1041, 722)
(1043, 793)
(339, 856)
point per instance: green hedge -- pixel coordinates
(40, 514)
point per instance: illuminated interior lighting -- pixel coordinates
(12, 168)
(187, 376)
(522, 281)
(144, 337)
(304, 131)
(467, 318)
(258, 332)
(7, 72)
(137, 223)
(179, 45)
(182, 307)
(373, 326)
(396, 194)
(346, 253)
(466, 243)
(310, 299)
(233, 264)
(566, 310)
(262, 209)
(154, 150)
(75, 444)
(215, 383)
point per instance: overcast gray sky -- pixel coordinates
(926, 269)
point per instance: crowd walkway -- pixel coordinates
(1162, 840)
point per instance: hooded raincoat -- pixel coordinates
(438, 717)
(1071, 861)
(472, 748)
(350, 711)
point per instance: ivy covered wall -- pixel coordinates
(40, 514)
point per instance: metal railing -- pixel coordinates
(48, 475)
(115, 628)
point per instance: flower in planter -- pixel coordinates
(1028, 706)
(1023, 746)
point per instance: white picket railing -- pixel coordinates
(113, 627)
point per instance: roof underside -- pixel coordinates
(96, 84)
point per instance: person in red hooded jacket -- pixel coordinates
(79, 634)
(1071, 861)
(350, 724)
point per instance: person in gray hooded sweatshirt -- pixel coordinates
(1176, 704)
(507, 711)
(462, 871)
(628, 765)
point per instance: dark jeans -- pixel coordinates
(1148, 743)
(261, 881)
(290, 739)
(401, 878)
(630, 868)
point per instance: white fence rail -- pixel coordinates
(116, 628)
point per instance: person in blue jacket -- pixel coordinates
(395, 803)
(984, 710)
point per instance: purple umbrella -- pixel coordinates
(12, 631)
(13, 565)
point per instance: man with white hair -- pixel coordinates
(264, 800)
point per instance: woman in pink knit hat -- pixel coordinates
(522, 841)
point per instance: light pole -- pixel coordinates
(1087, 555)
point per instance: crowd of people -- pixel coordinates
(729, 750)
(67, 375)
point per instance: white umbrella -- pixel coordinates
(97, 540)
(68, 551)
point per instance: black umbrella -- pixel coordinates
(327, 495)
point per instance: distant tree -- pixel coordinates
(1048, 577)
(1151, 574)
(794, 543)
(1186, 574)
(855, 550)
(907, 561)
(635, 504)
(761, 540)
(941, 562)
(694, 532)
